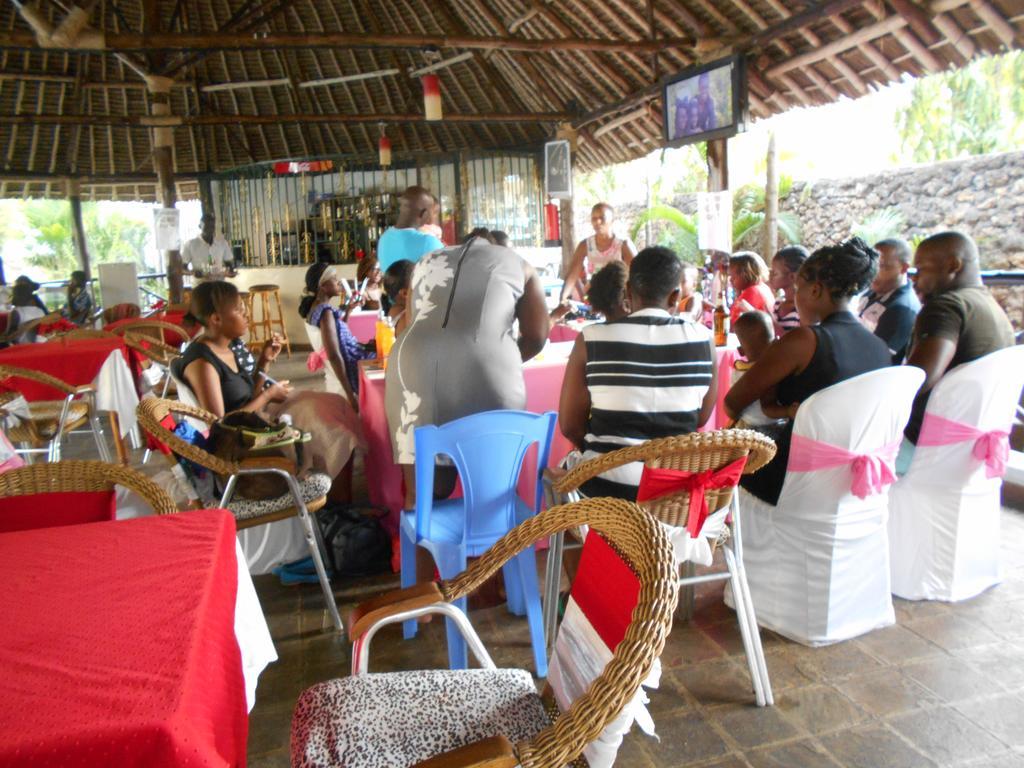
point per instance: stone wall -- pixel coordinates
(982, 196)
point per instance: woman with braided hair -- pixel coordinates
(829, 346)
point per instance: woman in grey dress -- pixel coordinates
(460, 354)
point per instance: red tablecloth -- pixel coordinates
(76, 362)
(118, 645)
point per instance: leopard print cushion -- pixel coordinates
(395, 719)
(313, 486)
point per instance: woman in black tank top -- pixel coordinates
(830, 346)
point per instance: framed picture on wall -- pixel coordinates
(557, 170)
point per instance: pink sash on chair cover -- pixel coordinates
(871, 471)
(992, 447)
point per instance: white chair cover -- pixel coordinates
(817, 563)
(944, 517)
(331, 383)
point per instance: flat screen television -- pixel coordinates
(708, 101)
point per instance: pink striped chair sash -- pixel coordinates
(991, 447)
(872, 471)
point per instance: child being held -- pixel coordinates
(397, 283)
(756, 333)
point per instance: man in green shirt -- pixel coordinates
(959, 321)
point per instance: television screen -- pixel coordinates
(705, 102)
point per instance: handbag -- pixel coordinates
(244, 435)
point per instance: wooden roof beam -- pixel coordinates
(886, 26)
(172, 121)
(215, 41)
(1000, 27)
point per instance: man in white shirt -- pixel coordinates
(209, 256)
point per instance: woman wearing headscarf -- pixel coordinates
(341, 348)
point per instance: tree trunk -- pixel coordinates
(78, 228)
(770, 234)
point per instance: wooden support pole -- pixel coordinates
(718, 165)
(770, 242)
(163, 162)
(206, 194)
(567, 229)
(77, 227)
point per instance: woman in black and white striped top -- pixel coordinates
(648, 375)
(785, 264)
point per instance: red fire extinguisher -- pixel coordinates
(552, 231)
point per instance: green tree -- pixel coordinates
(975, 110)
(680, 235)
(110, 236)
(50, 235)
(879, 225)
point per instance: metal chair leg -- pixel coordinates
(552, 581)
(745, 630)
(736, 543)
(313, 542)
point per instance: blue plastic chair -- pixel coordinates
(487, 450)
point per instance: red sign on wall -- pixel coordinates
(304, 166)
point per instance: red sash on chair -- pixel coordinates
(655, 483)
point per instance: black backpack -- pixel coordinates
(355, 543)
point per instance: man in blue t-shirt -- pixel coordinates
(405, 240)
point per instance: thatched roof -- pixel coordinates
(525, 66)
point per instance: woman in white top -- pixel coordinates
(26, 309)
(596, 251)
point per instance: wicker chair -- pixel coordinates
(9, 336)
(83, 476)
(305, 496)
(85, 333)
(164, 332)
(695, 452)
(51, 420)
(492, 708)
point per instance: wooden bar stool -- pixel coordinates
(261, 328)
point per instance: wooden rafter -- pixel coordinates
(127, 42)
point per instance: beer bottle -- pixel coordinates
(721, 319)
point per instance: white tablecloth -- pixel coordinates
(115, 391)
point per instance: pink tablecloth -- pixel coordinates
(564, 332)
(543, 386)
(363, 325)
(726, 357)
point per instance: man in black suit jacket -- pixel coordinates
(890, 307)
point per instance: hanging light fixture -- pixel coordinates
(384, 149)
(431, 96)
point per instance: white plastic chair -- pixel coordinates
(818, 562)
(944, 516)
(331, 383)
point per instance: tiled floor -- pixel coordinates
(945, 686)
